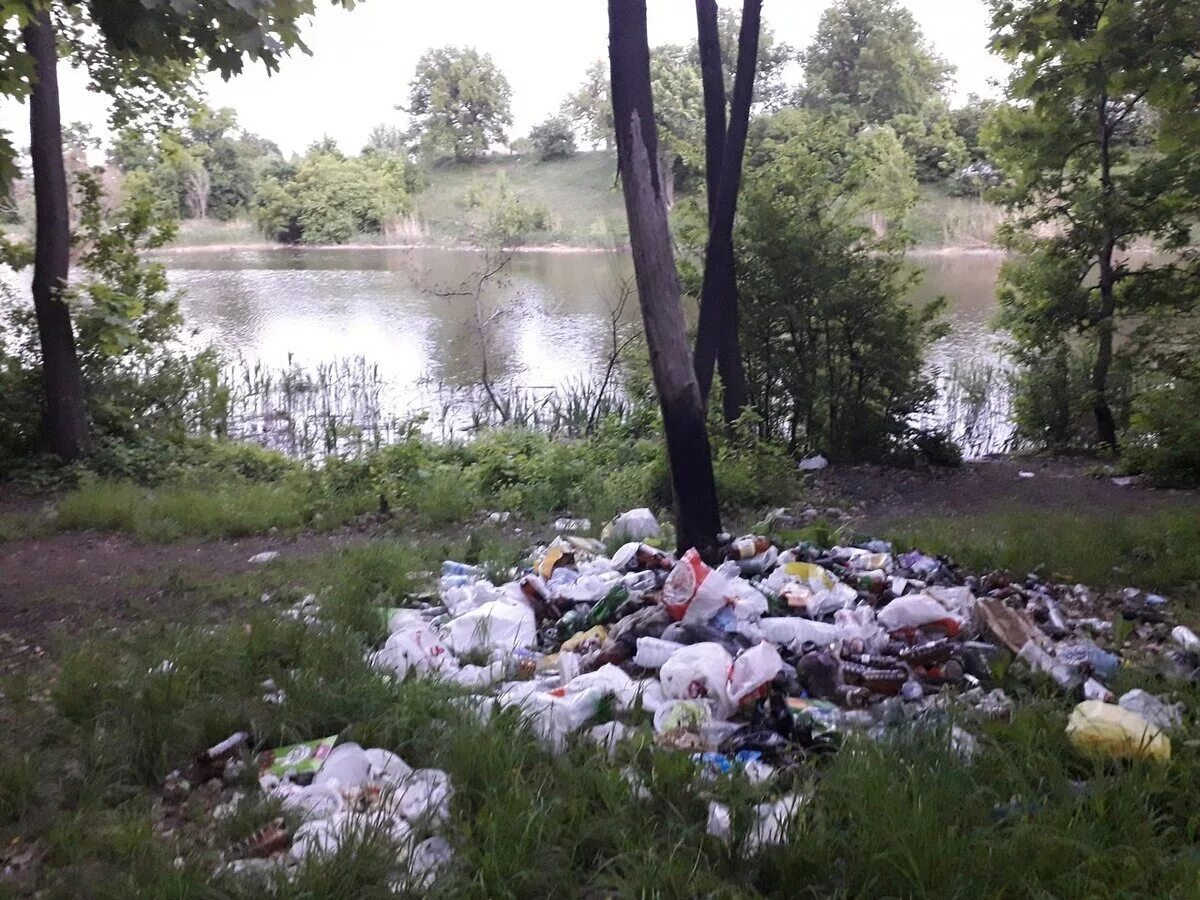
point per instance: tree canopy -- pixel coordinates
(869, 56)
(1084, 191)
(460, 102)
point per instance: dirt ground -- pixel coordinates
(58, 584)
(878, 496)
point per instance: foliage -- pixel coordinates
(553, 139)
(387, 139)
(139, 375)
(209, 168)
(833, 352)
(678, 100)
(509, 217)
(1084, 192)
(678, 95)
(328, 199)
(869, 58)
(931, 141)
(1052, 396)
(969, 122)
(1164, 434)
(142, 54)
(460, 101)
(589, 107)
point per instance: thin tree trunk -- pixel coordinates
(688, 449)
(713, 79)
(717, 332)
(1106, 428)
(64, 411)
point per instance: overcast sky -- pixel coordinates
(362, 61)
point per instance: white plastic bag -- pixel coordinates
(634, 525)
(386, 766)
(752, 669)
(498, 625)
(653, 652)
(915, 611)
(793, 632)
(417, 649)
(609, 679)
(347, 765)
(424, 796)
(462, 598)
(699, 671)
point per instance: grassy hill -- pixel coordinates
(583, 206)
(581, 195)
(586, 208)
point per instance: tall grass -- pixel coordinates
(229, 509)
(940, 220)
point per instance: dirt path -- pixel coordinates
(55, 585)
(879, 496)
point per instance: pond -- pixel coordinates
(328, 343)
(396, 329)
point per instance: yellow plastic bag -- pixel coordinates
(1103, 729)
(816, 577)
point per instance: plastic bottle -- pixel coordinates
(748, 547)
(605, 610)
(572, 623)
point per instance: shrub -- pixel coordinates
(329, 199)
(553, 139)
(833, 350)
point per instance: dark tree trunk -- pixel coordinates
(64, 412)
(717, 332)
(657, 280)
(713, 79)
(1106, 426)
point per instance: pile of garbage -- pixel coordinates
(338, 793)
(775, 651)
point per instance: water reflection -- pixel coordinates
(411, 314)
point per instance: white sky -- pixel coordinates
(363, 60)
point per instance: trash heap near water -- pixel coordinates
(748, 666)
(772, 652)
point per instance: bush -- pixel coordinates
(141, 380)
(553, 139)
(833, 350)
(1052, 397)
(1164, 442)
(329, 199)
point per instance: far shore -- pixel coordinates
(917, 252)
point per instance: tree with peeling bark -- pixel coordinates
(138, 51)
(688, 449)
(725, 146)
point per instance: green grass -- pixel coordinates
(581, 193)
(1153, 549)
(903, 818)
(173, 511)
(225, 492)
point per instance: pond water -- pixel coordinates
(367, 338)
(405, 321)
